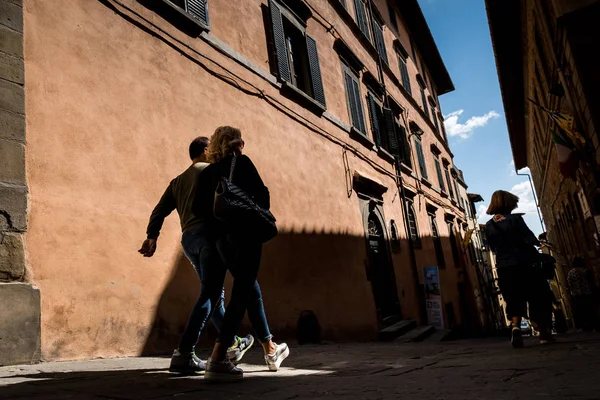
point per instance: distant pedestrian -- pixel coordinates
(520, 282)
(240, 252)
(200, 248)
(582, 294)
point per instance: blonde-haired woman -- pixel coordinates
(241, 254)
(520, 282)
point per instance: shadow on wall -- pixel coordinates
(325, 273)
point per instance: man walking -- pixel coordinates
(200, 249)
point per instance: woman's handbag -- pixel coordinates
(239, 211)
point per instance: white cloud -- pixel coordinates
(466, 130)
(482, 216)
(526, 201)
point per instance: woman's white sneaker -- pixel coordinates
(282, 351)
(222, 371)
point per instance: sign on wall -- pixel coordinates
(433, 297)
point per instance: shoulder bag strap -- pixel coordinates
(233, 160)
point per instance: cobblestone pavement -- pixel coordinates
(474, 369)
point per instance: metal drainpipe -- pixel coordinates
(537, 206)
(413, 259)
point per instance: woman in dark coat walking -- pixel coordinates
(520, 282)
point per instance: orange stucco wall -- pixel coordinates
(111, 110)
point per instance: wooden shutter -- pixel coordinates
(388, 118)
(404, 146)
(283, 66)
(379, 42)
(315, 70)
(374, 121)
(198, 9)
(405, 76)
(354, 103)
(435, 121)
(438, 169)
(449, 184)
(361, 17)
(422, 166)
(412, 222)
(424, 99)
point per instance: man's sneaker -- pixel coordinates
(274, 360)
(516, 338)
(223, 371)
(187, 364)
(241, 345)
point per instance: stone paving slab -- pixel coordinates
(475, 369)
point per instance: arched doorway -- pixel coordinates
(380, 270)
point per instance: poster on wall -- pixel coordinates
(433, 297)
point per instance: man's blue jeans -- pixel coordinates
(201, 250)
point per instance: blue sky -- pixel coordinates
(474, 112)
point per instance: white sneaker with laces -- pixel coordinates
(282, 351)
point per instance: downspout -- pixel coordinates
(537, 206)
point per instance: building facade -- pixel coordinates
(338, 105)
(544, 61)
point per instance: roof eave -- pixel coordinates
(421, 35)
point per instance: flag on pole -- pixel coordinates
(564, 121)
(568, 160)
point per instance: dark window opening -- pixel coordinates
(412, 224)
(453, 245)
(449, 181)
(295, 44)
(435, 121)
(443, 128)
(437, 242)
(394, 238)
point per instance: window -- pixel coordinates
(377, 27)
(456, 189)
(412, 223)
(392, 11)
(353, 98)
(437, 242)
(435, 121)
(404, 73)
(438, 170)
(441, 118)
(383, 126)
(422, 166)
(424, 100)
(343, 3)
(296, 54)
(449, 182)
(198, 9)
(361, 17)
(404, 146)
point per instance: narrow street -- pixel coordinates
(474, 369)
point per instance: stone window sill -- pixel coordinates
(292, 92)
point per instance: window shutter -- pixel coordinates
(283, 66)
(388, 117)
(404, 146)
(438, 169)
(359, 110)
(374, 122)
(352, 101)
(379, 42)
(449, 184)
(405, 76)
(198, 9)
(361, 17)
(435, 121)
(424, 99)
(412, 223)
(421, 159)
(315, 70)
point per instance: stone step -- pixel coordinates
(398, 329)
(417, 334)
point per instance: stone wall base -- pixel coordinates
(19, 324)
